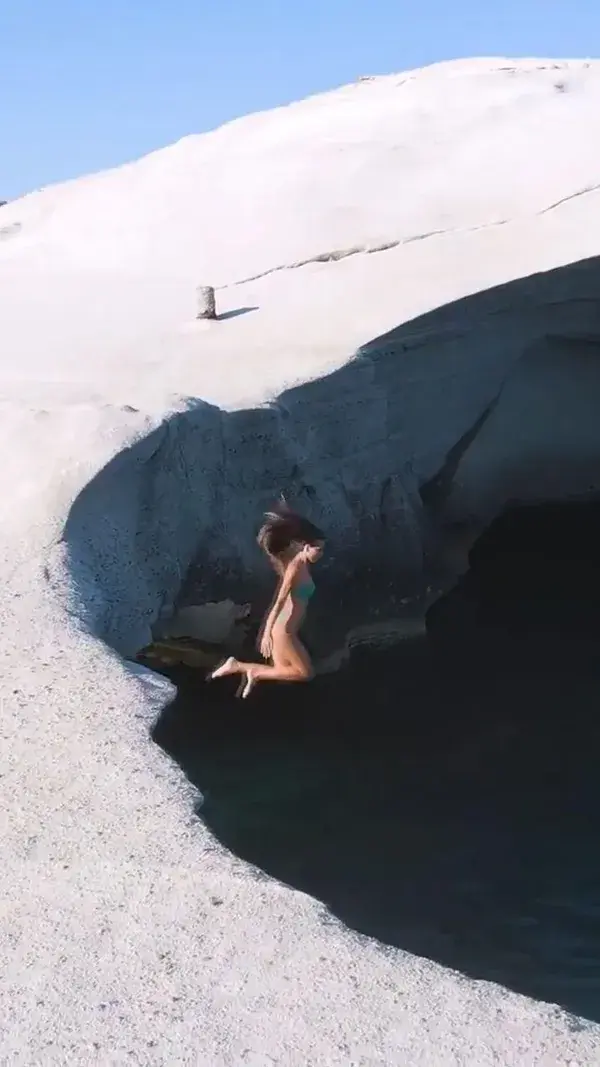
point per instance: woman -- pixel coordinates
(292, 544)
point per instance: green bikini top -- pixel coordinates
(304, 591)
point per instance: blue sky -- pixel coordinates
(87, 84)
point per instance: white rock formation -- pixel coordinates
(136, 437)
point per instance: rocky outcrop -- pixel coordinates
(429, 429)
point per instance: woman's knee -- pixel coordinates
(304, 672)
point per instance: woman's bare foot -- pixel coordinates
(249, 686)
(229, 667)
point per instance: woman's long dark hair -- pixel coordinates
(281, 527)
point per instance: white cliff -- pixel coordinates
(408, 337)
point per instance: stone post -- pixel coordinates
(205, 296)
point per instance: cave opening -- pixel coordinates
(441, 796)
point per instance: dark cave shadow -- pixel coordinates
(235, 313)
(443, 796)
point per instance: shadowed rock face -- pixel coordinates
(433, 427)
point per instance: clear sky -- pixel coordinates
(87, 84)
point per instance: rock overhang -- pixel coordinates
(428, 430)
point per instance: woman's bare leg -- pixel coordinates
(291, 663)
(278, 672)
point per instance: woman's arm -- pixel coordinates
(285, 587)
(265, 642)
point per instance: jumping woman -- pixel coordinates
(292, 544)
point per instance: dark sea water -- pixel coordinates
(442, 796)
